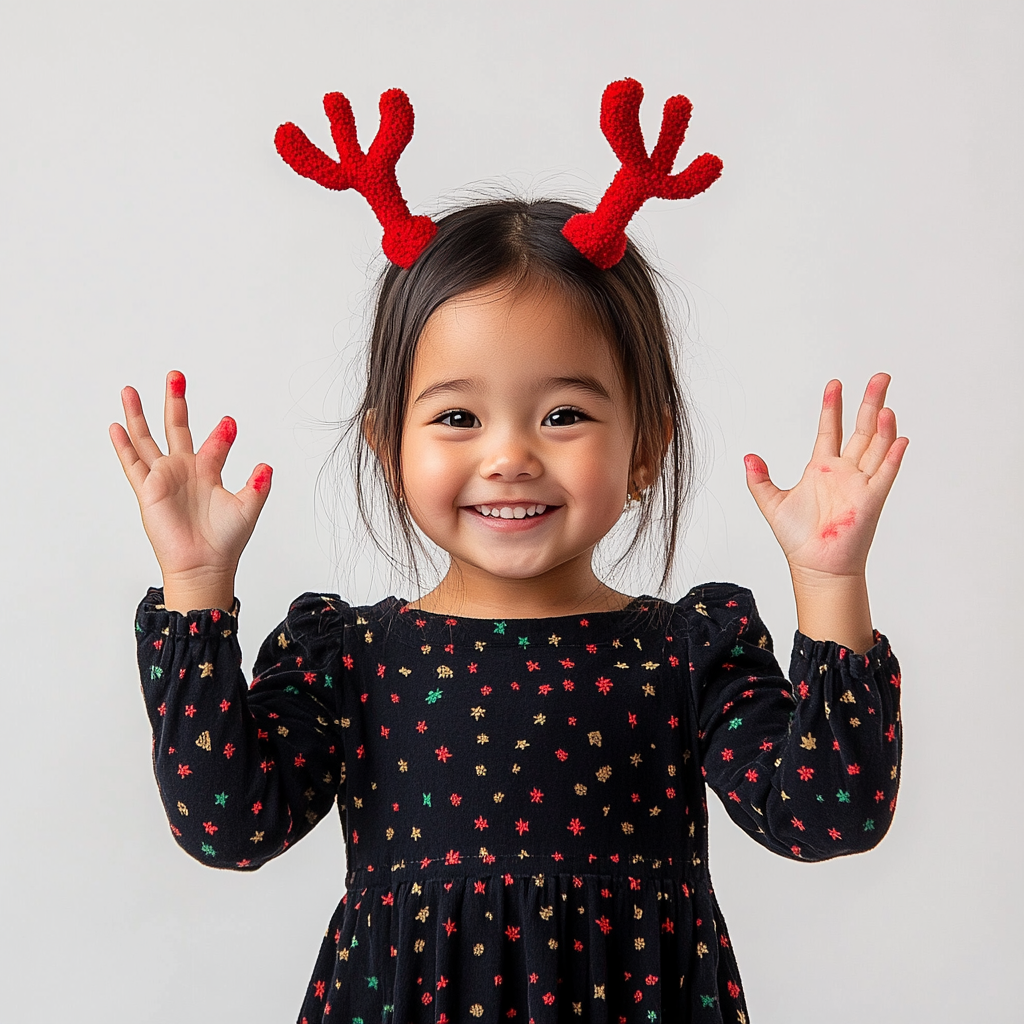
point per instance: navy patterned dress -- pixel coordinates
(523, 802)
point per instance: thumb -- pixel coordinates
(765, 493)
(253, 495)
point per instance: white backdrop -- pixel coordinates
(869, 217)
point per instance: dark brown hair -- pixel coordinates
(513, 240)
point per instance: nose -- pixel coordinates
(510, 457)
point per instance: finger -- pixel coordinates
(253, 495)
(883, 479)
(830, 423)
(867, 417)
(759, 483)
(880, 443)
(213, 454)
(138, 429)
(134, 468)
(179, 438)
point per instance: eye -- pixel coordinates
(564, 416)
(458, 418)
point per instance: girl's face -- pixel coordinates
(517, 443)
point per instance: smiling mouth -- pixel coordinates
(513, 511)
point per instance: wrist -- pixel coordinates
(833, 607)
(199, 589)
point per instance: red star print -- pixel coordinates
(210, 827)
(190, 710)
(635, 797)
(512, 932)
(480, 823)
(318, 989)
(879, 796)
(544, 689)
(309, 677)
(575, 827)
(395, 698)
(734, 796)
(727, 754)
(536, 796)
(162, 709)
(805, 773)
(449, 927)
(835, 833)
(479, 887)
(472, 666)
(566, 662)
(591, 648)
(453, 857)
(421, 727)
(183, 770)
(561, 754)
(604, 924)
(225, 704)
(380, 671)
(347, 660)
(257, 807)
(568, 684)
(532, 666)
(673, 722)
(193, 628)
(673, 661)
(267, 765)
(670, 793)
(797, 823)
(229, 749)
(485, 690)
(853, 769)
(604, 685)
(456, 799)
(384, 730)
(522, 826)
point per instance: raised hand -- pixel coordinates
(197, 527)
(826, 522)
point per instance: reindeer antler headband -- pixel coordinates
(600, 236)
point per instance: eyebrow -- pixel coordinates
(578, 382)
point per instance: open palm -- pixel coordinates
(826, 522)
(197, 527)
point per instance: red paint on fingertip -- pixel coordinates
(831, 394)
(226, 431)
(755, 465)
(831, 529)
(176, 384)
(261, 478)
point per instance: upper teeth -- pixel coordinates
(510, 511)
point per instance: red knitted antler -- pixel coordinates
(601, 235)
(372, 174)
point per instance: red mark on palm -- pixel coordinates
(831, 529)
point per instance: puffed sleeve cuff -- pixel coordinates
(152, 617)
(877, 663)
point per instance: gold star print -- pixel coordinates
(257, 838)
(357, 802)
(522, 744)
(604, 773)
(639, 646)
(182, 809)
(206, 668)
(425, 648)
(783, 794)
(423, 914)
(360, 621)
(693, 828)
(554, 639)
(282, 730)
(403, 766)
(405, 671)
(416, 889)
(481, 769)
(515, 769)
(282, 641)
(606, 810)
(483, 851)
(581, 790)
(343, 953)
(595, 738)
(700, 609)
(477, 712)
(855, 722)
(621, 664)
(650, 665)
(480, 644)
(368, 637)
(498, 797)
(415, 833)
(635, 759)
(444, 672)
(616, 642)
(655, 811)
(893, 773)
(539, 719)
(763, 642)
(547, 912)
(808, 742)
(599, 991)
(204, 740)
(848, 697)
(538, 879)
(648, 690)
(483, 738)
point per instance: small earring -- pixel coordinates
(632, 499)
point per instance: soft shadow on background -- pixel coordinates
(868, 218)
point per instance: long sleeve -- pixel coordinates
(808, 766)
(243, 772)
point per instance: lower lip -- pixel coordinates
(512, 525)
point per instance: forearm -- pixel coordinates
(834, 608)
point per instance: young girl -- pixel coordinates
(519, 757)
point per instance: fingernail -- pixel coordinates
(227, 430)
(261, 479)
(176, 383)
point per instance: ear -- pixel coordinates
(373, 440)
(647, 469)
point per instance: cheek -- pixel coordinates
(431, 474)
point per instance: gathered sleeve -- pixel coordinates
(243, 772)
(808, 766)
